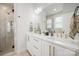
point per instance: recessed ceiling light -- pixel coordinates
(55, 9)
(38, 10)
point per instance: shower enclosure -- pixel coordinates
(6, 28)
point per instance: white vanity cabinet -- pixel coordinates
(34, 46)
(47, 49)
(61, 51)
(38, 46)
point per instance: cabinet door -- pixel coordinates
(36, 46)
(47, 49)
(43, 48)
(61, 51)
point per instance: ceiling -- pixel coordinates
(42, 5)
(53, 8)
(48, 8)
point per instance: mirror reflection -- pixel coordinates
(56, 18)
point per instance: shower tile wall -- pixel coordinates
(6, 38)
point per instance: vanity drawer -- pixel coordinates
(36, 51)
(36, 42)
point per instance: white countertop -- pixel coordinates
(67, 43)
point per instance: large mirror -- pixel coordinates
(55, 18)
(58, 17)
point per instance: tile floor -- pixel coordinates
(6, 51)
(17, 54)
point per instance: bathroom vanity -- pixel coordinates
(53, 45)
(41, 45)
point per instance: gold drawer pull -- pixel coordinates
(49, 50)
(53, 51)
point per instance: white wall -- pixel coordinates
(25, 11)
